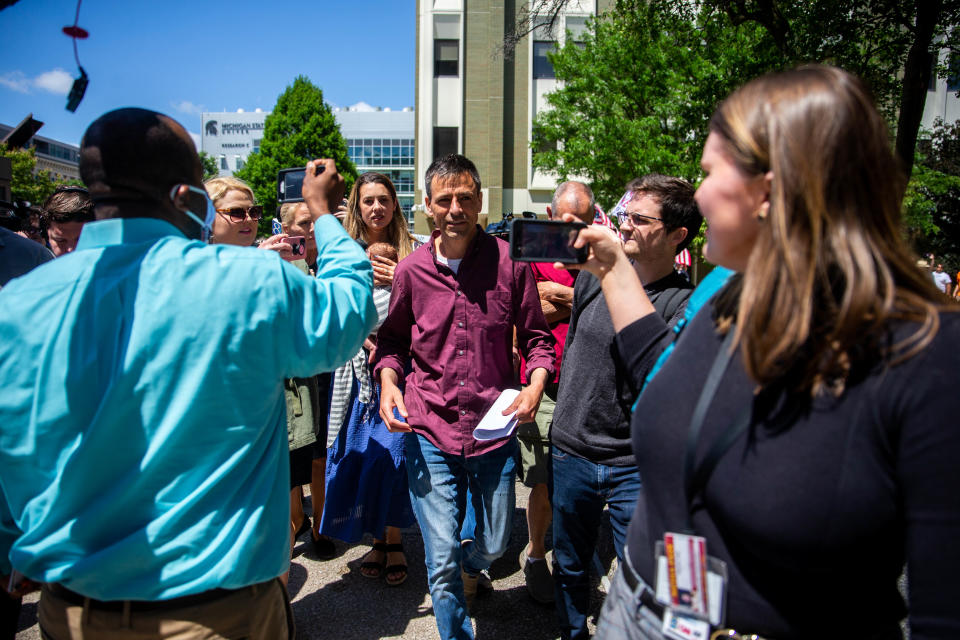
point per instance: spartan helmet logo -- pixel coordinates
(211, 127)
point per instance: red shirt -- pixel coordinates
(457, 332)
(545, 272)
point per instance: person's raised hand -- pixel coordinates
(322, 191)
(606, 249)
(341, 211)
(276, 243)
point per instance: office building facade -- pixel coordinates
(378, 139)
(382, 140)
(470, 99)
(943, 94)
(62, 160)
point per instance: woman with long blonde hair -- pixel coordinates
(801, 428)
(366, 478)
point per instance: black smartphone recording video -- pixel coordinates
(290, 183)
(546, 241)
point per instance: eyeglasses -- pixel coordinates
(238, 214)
(636, 219)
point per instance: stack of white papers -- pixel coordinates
(494, 424)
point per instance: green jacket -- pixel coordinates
(303, 403)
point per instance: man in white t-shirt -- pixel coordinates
(942, 279)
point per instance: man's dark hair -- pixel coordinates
(449, 166)
(137, 150)
(68, 204)
(677, 206)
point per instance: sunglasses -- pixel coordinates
(239, 214)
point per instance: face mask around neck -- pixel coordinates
(198, 201)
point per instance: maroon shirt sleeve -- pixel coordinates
(393, 337)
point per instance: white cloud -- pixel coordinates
(16, 81)
(185, 106)
(56, 81)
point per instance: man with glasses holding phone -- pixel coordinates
(143, 449)
(593, 463)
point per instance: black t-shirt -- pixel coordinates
(818, 505)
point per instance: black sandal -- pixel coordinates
(371, 566)
(395, 568)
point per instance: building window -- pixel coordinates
(377, 152)
(953, 73)
(577, 26)
(238, 161)
(444, 141)
(446, 58)
(542, 67)
(223, 163)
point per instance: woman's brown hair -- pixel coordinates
(397, 234)
(830, 268)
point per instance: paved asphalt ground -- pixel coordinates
(332, 600)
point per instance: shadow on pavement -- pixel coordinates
(350, 606)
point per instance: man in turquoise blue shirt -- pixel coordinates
(143, 448)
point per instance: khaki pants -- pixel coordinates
(257, 612)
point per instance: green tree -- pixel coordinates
(209, 164)
(637, 93)
(932, 204)
(300, 128)
(25, 185)
(891, 44)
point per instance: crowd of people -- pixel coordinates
(772, 447)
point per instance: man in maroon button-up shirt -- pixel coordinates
(455, 303)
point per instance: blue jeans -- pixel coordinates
(579, 490)
(438, 490)
(624, 616)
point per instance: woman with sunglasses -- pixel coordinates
(236, 223)
(801, 433)
(237, 216)
(366, 473)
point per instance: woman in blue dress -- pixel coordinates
(366, 477)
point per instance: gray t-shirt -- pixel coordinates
(592, 416)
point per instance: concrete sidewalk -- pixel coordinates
(331, 599)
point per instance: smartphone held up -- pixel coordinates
(546, 241)
(298, 244)
(290, 183)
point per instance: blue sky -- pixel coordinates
(181, 57)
